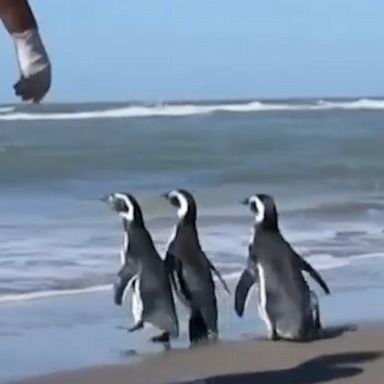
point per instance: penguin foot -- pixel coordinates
(198, 331)
(317, 324)
(316, 328)
(162, 338)
(136, 327)
(198, 342)
(274, 336)
(213, 337)
(317, 332)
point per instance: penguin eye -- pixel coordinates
(253, 207)
(120, 206)
(174, 201)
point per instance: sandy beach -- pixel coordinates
(353, 356)
(69, 347)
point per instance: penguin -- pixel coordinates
(143, 273)
(191, 272)
(288, 307)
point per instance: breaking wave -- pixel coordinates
(179, 110)
(320, 261)
(29, 296)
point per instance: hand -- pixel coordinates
(34, 65)
(34, 87)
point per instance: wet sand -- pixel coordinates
(346, 356)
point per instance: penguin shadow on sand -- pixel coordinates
(320, 369)
(333, 332)
(326, 333)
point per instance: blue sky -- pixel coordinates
(179, 49)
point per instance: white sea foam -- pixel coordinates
(351, 105)
(29, 296)
(319, 261)
(40, 295)
(6, 109)
(232, 275)
(7, 113)
(373, 255)
(325, 261)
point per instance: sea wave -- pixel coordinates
(38, 295)
(6, 109)
(325, 261)
(171, 110)
(320, 261)
(369, 104)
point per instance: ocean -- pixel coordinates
(322, 160)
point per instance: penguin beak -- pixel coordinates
(244, 201)
(104, 199)
(165, 196)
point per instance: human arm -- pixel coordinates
(34, 64)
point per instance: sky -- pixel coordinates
(155, 50)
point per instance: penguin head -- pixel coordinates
(184, 202)
(264, 208)
(126, 207)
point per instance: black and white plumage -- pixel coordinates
(191, 271)
(143, 272)
(286, 304)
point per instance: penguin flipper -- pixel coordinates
(170, 267)
(175, 274)
(125, 277)
(219, 276)
(305, 266)
(246, 281)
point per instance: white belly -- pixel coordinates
(263, 298)
(124, 249)
(137, 303)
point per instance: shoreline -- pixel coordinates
(85, 331)
(355, 356)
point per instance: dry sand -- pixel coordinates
(352, 357)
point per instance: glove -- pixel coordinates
(35, 68)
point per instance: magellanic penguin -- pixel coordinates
(286, 304)
(191, 271)
(143, 272)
